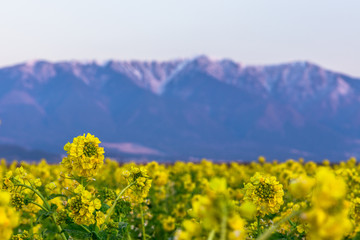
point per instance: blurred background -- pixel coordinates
(181, 80)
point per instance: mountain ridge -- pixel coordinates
(183, 108)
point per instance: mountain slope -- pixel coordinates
(183, 108)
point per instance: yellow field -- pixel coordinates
(89, 197)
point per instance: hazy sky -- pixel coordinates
(326, 32)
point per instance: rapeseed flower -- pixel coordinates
(265, 192)
(168, 224)
(328, 217)
(140, 183)
(84, 156)
(82, 206)
(9, 218)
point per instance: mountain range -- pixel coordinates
(181, 109)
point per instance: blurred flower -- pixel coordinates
(168, 224)
(8, 216)
(301, 186)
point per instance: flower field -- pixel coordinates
(90, 197)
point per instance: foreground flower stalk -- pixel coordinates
(46, 208)
(142, 222)
(111, 210)
(267, 234)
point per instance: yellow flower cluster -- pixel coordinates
(85, 157)
(294, 199)
(328, 216)
(287, 226)
(214, 214)
(21, 236)
(190, 230)
(355, 210)
(265, 192)
(82, 207)
(169, 224)
(160, 178)
(140, 183)
(8, 216)
(301, 186)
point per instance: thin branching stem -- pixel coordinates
(40, 206)
(224, 222)
(273, 227)
(111, 210)
(211, 235)
(46, 208)
(142, 222)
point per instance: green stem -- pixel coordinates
(40, 206)
(128, 235)
(211, 235)
(142, 222)
(271, 229)
(58, 227)
(37, 193)
(85, 228)
(46, 208)
(31, 227)
(111, 210)
(292, 224)
(258, 226)
(224, 222)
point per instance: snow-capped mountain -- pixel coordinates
(184, 108)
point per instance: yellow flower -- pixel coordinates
(355, 209)
(265, 192)
(4, 198)
(180, 210)
(50, 187)
(21, 236)
(262, 159)
(201, 206)
(236, 235)
(141, 184)
(301, 187)
(218, 185)
(100, 218)
(328, 226)
(168, 224)
(236, 222)
(329, 189)
(85, 157)
(37, 182)
(253, 227)
(328, 216)
(82, 206)
(190, 229)
(160, 178)
(8, 216)
(248, 210)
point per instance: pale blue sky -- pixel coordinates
(326, 32)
